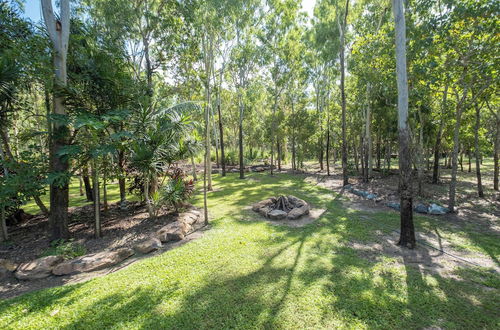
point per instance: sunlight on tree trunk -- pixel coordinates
(58, 30)
(407, 235)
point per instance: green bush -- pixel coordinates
(66, 248)
(177, 190)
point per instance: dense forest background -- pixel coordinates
(142, 86)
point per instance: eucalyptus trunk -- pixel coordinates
(477, 152)
(97, 204)
(497, 153)
(407, 234)
(456, 143)
(342, 28)
(221, 134)
(58, 31)
(437, 146)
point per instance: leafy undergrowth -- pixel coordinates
(251, 274)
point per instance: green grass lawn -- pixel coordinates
(75, 199)
(251, 274)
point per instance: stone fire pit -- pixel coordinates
(277, 208)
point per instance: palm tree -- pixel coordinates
(159, 135)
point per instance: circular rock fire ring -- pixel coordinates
(277, 208)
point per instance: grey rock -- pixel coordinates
(395, 206)
(437, 209)
(277, 214)
(421, 208)
(174, 231)
(148, 245)
(298, 212)
(38, 268)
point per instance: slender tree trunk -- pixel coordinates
(420, 154)
(121, 178)
(342, 28)
(294, 161)
(379, 150)
(469, 162)
(496, 155)
(41, 205)
(362, 154)
(389, 155)
(205, 168)
(356, 160)
(273, 130)
(240, 144)
(328, 147)
(149, 69)
(454, 161)
(86, 183)
(193, 166)
(58, 31)
(480, 191)
(3, 225)
(80, 185)
(221, 134)
(4, 135)
(147, 199)
(208, 53)
(461, 161)
(97, 204)
(105, 190)
(456, 143)
(368, 136)
(278, 149)
(407, 235)
(437, 146)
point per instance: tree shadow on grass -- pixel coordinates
(302, 277)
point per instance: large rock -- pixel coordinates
(148, 245)
(296, 202)
(298, 212)
(421, 208)
(6, 267)
(437, 209)
(277, 214)
(263, 204)
(38, 268)
(92, 262)
(174, 231)
(190, 217)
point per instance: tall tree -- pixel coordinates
(407, 235)
(58, 30)
(342, 23)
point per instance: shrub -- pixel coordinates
(177, 190)
(66, 248)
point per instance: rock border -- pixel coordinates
(185, 224)
(433, 209)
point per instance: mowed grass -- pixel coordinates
(250, 274)
(75, 199)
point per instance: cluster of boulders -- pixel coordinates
(254, 168)
(432, 208)
(277, 208)
(185, 224)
